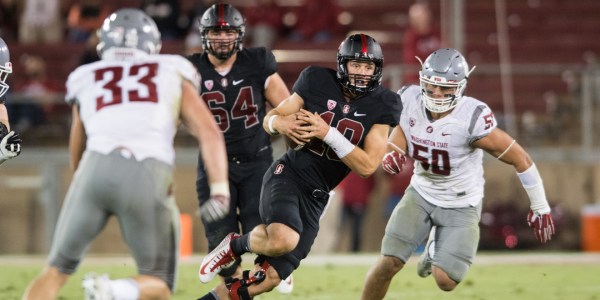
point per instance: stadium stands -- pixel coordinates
(556, 32)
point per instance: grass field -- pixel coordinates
(494, 276)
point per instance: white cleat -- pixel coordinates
(97, 287)
(424, 264)
(286, 286)
(221, 257)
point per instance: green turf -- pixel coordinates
(483, 282)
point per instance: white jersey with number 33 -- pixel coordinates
(448, 171)
(133, 103)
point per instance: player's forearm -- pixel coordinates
(361, 163)
(77, 140)
(4, 116)
(214, 155)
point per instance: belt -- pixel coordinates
(240, 158)
(320, 195)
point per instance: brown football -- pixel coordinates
(291, 144)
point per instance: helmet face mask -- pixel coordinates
(5, 67)
(447, 69)
(222, 30)
(359, 48)
(129, 30)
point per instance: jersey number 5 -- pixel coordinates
(144, 91)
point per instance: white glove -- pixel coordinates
(216, 208)
(10, 146)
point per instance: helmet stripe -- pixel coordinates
(221, 15)
(364, 43)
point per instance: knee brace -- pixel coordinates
(238, 288)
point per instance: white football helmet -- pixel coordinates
(5, 67)
(128, 29)
(448, 68)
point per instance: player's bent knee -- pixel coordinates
(444, 282)
(390, 265)
(282, 241)
(446, 286)
(281, 247)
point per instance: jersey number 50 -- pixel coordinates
(440, 159)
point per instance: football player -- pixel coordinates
(10, 143)
(126, 109)
(343, 119)
(238, 83)
(446, 133)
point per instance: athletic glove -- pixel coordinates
(10, 146)
(542, 225)
(393, 162)
(216, 208)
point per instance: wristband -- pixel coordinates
(532, 182)
(338, 143)
(271, 130)
(220, 188)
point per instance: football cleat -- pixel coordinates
(97, 287)
(424, 264)
(286, 286)
(221, 257)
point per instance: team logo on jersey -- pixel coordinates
(331, 104)
(346, 109)
(412, 122)
(429, 129)
(278, 169)
(209, 84)
(224, 82)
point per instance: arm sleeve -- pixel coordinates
(75, 82)
(270, 63)
(187, 70)
(302, 85)
(482, 123)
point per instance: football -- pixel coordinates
(293, 145)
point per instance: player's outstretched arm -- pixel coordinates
(502, 146)
(276, 91)
(201, 123)
(10, 142)
(4, 115)
(394, 160)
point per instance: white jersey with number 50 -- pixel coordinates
(133, 103)
(448, 171)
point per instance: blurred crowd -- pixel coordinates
(38, 83)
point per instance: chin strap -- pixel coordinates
(238, 288)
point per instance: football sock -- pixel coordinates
(240, 245)
(125, 289)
